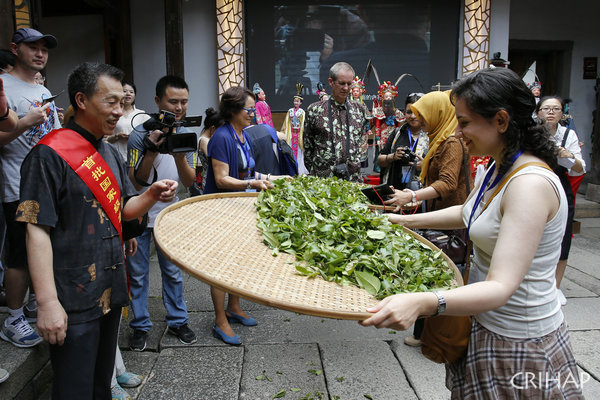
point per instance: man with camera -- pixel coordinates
(334, 138)
(160, 149)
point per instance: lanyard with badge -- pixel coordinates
(244, 146)
(485, 186)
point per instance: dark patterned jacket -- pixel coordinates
(324, 149)
(88, 263)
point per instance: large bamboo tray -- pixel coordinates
(215, 239)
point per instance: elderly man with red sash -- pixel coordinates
(74, 194)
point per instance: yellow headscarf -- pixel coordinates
(439, 114)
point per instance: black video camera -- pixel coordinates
(174, 143)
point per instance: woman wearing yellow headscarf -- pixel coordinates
(443, 169)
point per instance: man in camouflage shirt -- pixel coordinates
(334, 138)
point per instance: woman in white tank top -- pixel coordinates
(519, 344)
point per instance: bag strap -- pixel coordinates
(91, 168)
(564, 140)
(505, 180)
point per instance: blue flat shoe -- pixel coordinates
(232, 340)
(244, 321)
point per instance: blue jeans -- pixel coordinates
(172, 286)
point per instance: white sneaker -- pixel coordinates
(3, 375)
(562, 298)
(20, 333)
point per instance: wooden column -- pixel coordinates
(7, 22)
(174, 37)
(595, 167)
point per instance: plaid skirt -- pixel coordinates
(497, 367)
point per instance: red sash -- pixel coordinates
(89, 165)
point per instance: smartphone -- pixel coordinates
(376, 194)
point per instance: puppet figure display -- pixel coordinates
(293, 127)
(386, 117)
(263, 111)
(357, 89)
(536, 90)
(323, 96)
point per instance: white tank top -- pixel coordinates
(533, 310)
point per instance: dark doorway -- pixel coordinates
(553, 59)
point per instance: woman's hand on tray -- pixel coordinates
(400, 311)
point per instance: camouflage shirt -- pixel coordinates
(324, 149)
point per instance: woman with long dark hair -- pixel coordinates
(516, 219)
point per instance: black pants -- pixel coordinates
(83, 365)
(418, 329)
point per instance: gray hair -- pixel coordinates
(335, 70)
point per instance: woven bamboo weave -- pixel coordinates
(215, 239)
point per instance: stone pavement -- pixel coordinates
(305, 357)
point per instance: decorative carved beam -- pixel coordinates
(174, 37)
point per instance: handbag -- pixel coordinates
(452, 242)
(445, 338)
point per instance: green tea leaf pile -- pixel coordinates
(326, 224)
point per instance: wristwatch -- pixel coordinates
(414, 196)
(441, 304)
(249, 186)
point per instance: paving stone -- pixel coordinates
(23, 365)
(356, 369)
(197, 297)
(195, 373)
(428, 379)
(140, 363)
(585, 260)
(572, 289)
(584, 280)
(269, 369)
(277, 326)
(587, 242)
(586, 347)
(579, 315)
(591, 387)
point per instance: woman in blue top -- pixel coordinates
(231, 169)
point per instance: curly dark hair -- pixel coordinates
(233, 101)
(213, 118)
(488, 91)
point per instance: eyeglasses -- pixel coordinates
(416, 94)
(249, 110)
(553, 109)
